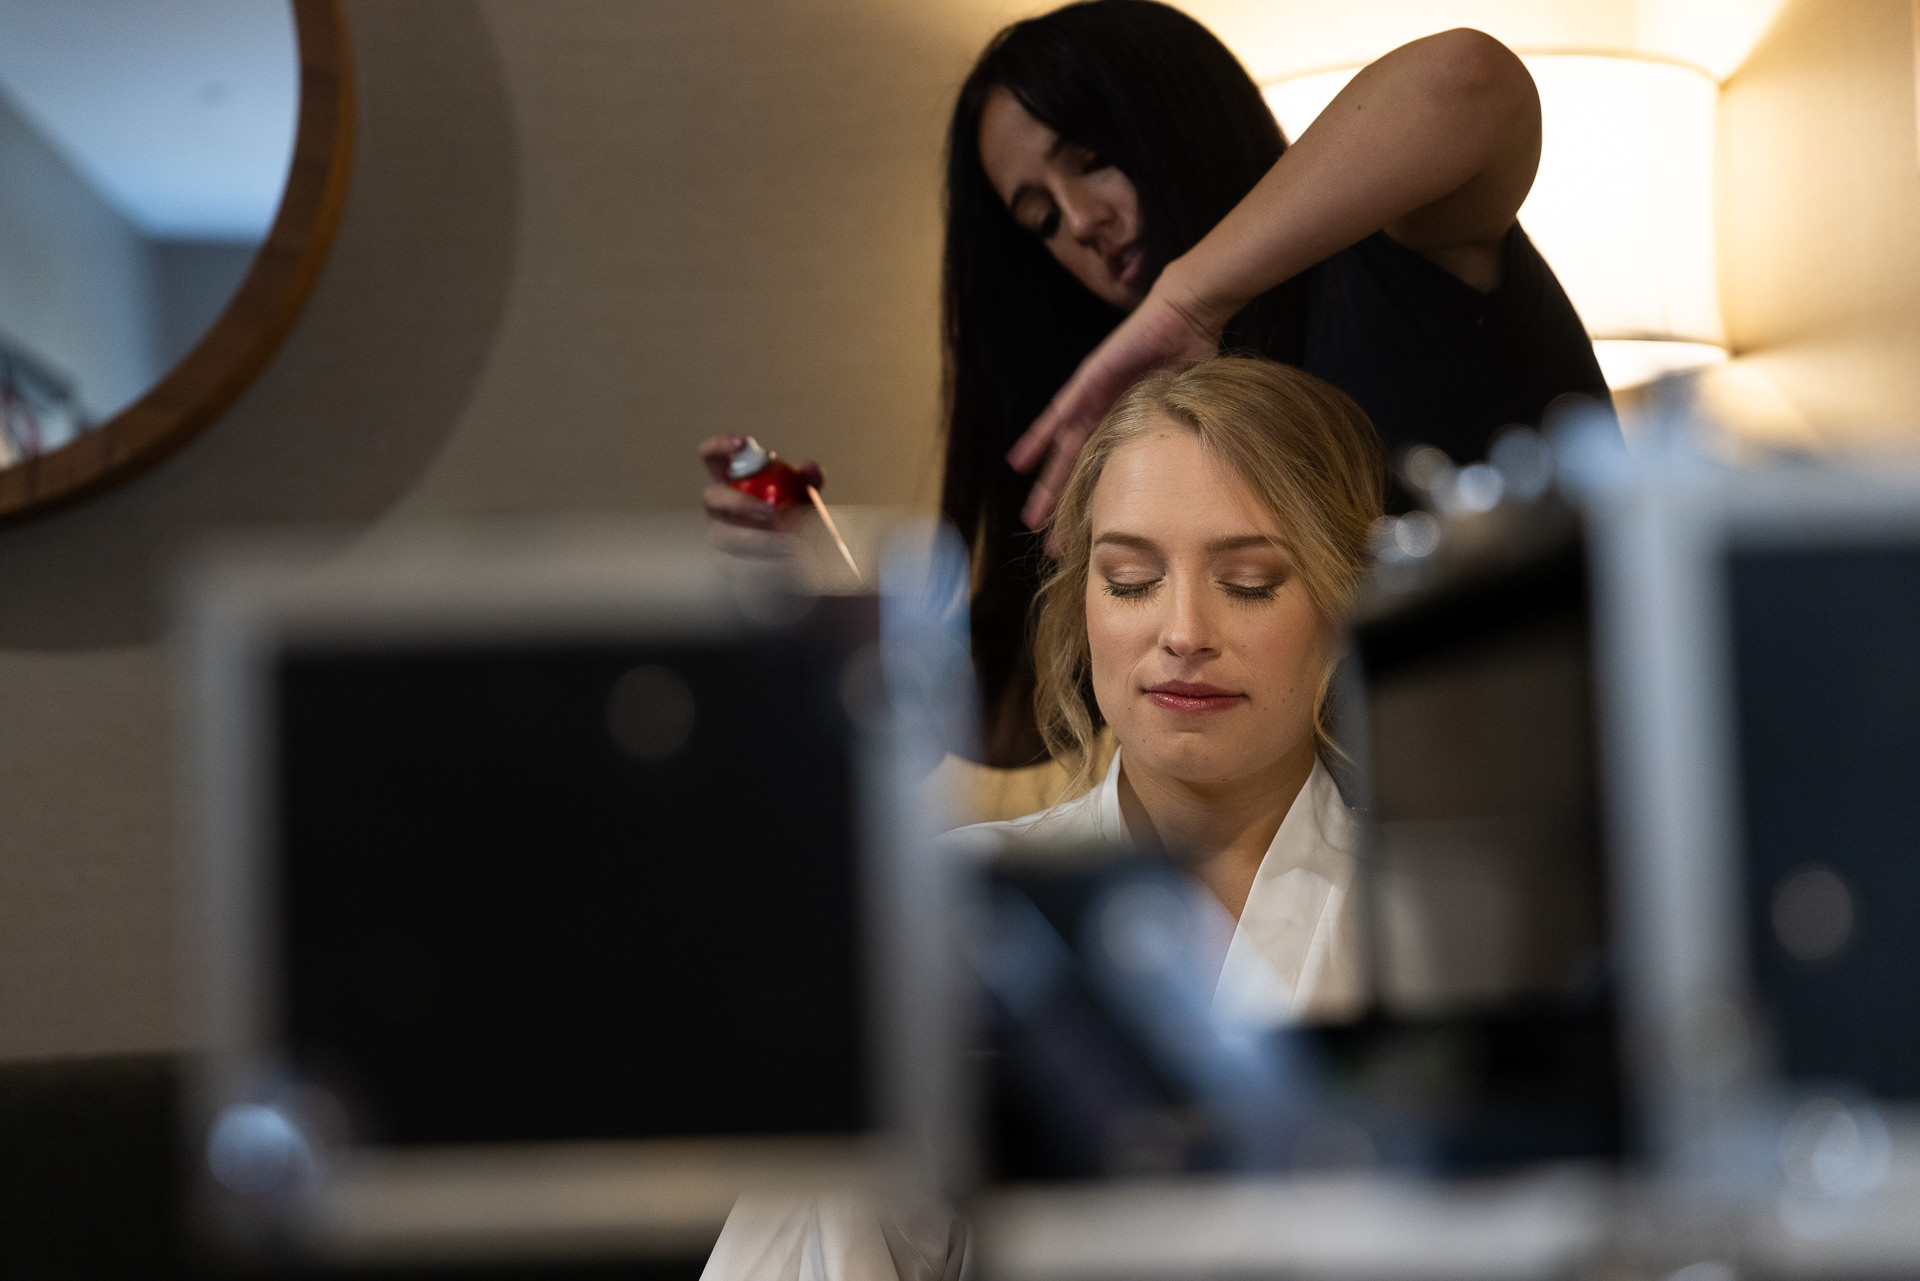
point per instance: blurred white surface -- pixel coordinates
(1537, 1226)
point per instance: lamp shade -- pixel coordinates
(1622, 206)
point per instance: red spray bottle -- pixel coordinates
(764, 474)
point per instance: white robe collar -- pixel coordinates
(1289, 933)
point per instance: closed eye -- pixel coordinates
(1251, 591)
(1130, 591)
(1036, 213)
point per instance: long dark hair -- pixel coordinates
(1153, 92)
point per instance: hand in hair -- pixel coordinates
(1161, 333)
(741, 523)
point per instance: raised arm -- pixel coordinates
(1436, 143)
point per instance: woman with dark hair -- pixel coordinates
(1120, 199)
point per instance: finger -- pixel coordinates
(730, 506)
(810, 472)
(1033, 443)
(1046, 489)
(789, 518)
(1039, 505)
(1047, 486)
(738, 540)
(716, 450)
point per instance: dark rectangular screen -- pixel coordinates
(571, 891)
(1827, 698)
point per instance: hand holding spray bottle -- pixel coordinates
(756, 470)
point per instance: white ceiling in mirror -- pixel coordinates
(180, 113)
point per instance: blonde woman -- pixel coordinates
(1211, 539)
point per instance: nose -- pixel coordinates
(1082, 214)
(1187, 631)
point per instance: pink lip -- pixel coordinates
(1124, 263)
(1183, 696)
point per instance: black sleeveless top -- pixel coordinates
(1431, 359)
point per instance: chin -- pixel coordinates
(1193, 757)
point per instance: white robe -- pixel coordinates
(837, 1238)
(1295, 951)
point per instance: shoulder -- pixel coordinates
(1074, 822)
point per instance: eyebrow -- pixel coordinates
(1237, 543)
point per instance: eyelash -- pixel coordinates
(1135, 591)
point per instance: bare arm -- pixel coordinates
(1436, 143)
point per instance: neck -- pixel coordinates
(1218, 830)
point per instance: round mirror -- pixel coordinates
(171, 172)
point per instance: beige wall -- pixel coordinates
(582, 234)
(1820, 219)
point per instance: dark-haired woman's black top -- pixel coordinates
(1430, 358)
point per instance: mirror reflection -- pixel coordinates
(144, 146)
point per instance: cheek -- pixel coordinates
(1117, 191)
(1114, 639)
(1291, 647)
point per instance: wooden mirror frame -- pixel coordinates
(258, 317)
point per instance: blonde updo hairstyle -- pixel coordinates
(1304, 449)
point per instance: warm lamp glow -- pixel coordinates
(1622, 206)
(1629, 362)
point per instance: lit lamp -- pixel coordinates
(1623, 204)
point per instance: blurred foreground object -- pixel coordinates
(1636, 738)
(559, 885)
(1760, 636)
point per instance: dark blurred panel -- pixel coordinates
(1485, 873)
(1097, 1071)
(1485, 859)
(653, 1270)
(89, 1186)
(574, 891)
(91, 1179)
(1078, 1085)
(1826, 648)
